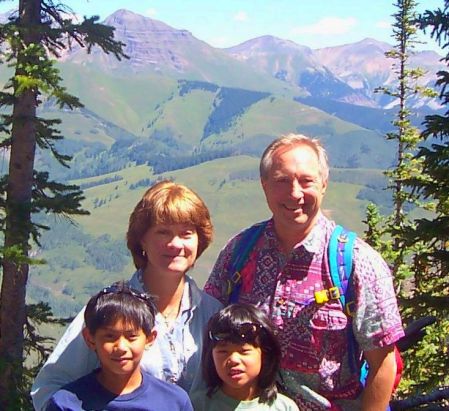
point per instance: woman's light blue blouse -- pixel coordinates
(175, 355)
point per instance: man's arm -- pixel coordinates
(381, 375)
(216, 284)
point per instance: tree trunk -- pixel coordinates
(18, 216)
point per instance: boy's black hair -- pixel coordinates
(120, 302)
(228, 321)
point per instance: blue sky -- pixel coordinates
(224, 23)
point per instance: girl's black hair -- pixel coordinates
(227, 321)
(120, 302)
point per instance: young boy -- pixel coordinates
(119, 327)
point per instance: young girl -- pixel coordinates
(240, 362)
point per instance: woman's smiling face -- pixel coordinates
(170, 248)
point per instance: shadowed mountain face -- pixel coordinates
(364, 66)
(297, 65)
(348, 73)
(361, 65)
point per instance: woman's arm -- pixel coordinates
(70, 360)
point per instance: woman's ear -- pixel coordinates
(88, 338)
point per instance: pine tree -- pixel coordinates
(395, 235)
(431, 282)
(30, 40)
(405, 135)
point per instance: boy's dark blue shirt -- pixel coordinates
(87, 393)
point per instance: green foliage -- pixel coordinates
(228, 104)
(406, 136)
(40, 30)
(431, 285)
(187, 86)
(104, 254)
(412, 246)
(373, 233)
(162, 164)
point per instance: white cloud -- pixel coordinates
(327, 26)
(150, 12)
(241, 16)
(383, 24)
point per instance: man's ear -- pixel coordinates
(263, 183)
(88, 338)
(324, 187)
(150, 338)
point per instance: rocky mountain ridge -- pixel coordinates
(349, 73)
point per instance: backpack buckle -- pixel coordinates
(236, 277)
(334, 293)
(323, 296)
(233, 281)
(342, 238)
(350, 308)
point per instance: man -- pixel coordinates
(289, 263)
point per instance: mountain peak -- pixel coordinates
(359, 47)
(126, 18)
(371, 41)
(267, 43)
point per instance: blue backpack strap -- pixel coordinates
(341, 246)
(240, 256)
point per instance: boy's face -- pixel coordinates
(119, 347)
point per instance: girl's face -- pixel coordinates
(238, 366)
(170, 248)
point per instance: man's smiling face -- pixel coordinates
(294, 189)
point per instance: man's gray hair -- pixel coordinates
(293, 140)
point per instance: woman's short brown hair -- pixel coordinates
(167, 203)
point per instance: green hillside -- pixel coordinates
(126, 101)
(183, 117)
(83, 258)
(152, 119)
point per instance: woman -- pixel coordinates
(168, 230)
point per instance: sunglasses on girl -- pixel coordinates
(242, 333)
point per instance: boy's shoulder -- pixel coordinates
(71, 395)
(170, 396)
(87, 393)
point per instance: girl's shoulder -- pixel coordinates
(283, 403)
(199, 400)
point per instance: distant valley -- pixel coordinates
(181, 109)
